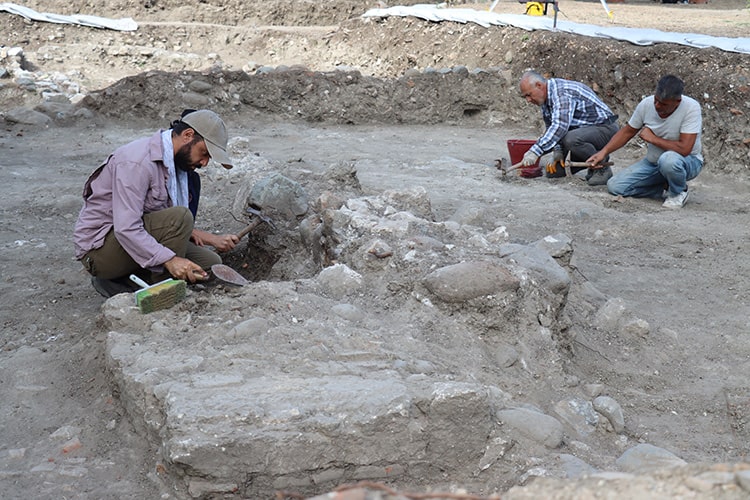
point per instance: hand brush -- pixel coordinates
(162, 295)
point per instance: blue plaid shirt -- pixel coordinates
(569, 105)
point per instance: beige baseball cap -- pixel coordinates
(211, 127)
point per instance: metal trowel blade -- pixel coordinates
(226, 273)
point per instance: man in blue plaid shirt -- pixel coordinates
(578, 123)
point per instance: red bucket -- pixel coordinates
(517, 148)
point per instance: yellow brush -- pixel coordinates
(162, 295)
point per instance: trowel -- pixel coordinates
(226, 274)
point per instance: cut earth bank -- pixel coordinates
(450, 323)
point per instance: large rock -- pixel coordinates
(647, 457)
(534, 425)
(27, 116)
(280, 193)
(468, 280)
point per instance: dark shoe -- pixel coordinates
(575, 170)
(109, 288)
(598, 177)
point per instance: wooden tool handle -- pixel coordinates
(200, 275)
(513, 167)
(578, 164)
(255, 223)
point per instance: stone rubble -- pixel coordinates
(364, 256)
(56, 92)
(297, 385)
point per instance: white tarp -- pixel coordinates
(123, 24)
(636, 36)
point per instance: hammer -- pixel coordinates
(578, 164)
(258, 219)
(500, 164)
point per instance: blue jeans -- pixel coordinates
(648, 180)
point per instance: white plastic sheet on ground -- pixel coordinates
(636, 36)
(123, 24)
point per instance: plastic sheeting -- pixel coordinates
(635, 36)
(123, 24)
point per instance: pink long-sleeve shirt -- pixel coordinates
(131, 183)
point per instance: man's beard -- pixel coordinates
(182, 159)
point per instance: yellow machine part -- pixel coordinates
(534, 9)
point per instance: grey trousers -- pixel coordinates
(583, 142)
(171, 227)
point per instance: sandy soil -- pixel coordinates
(64, 432)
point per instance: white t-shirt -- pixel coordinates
(686, 119)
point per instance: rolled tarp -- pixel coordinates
(122, 24)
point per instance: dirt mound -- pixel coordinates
(413, 63)
(215, 12)
(473, 83)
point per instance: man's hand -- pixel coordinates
(683, 145)
(224, 242)
(647, 135)
(185, 269)
(529, 158)
(221, 242)
(596, 158)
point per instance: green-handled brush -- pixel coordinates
(162, 295)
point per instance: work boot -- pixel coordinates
(599, 176)
(110, 288)
(578, 170)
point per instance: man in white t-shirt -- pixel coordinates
(670, 124)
